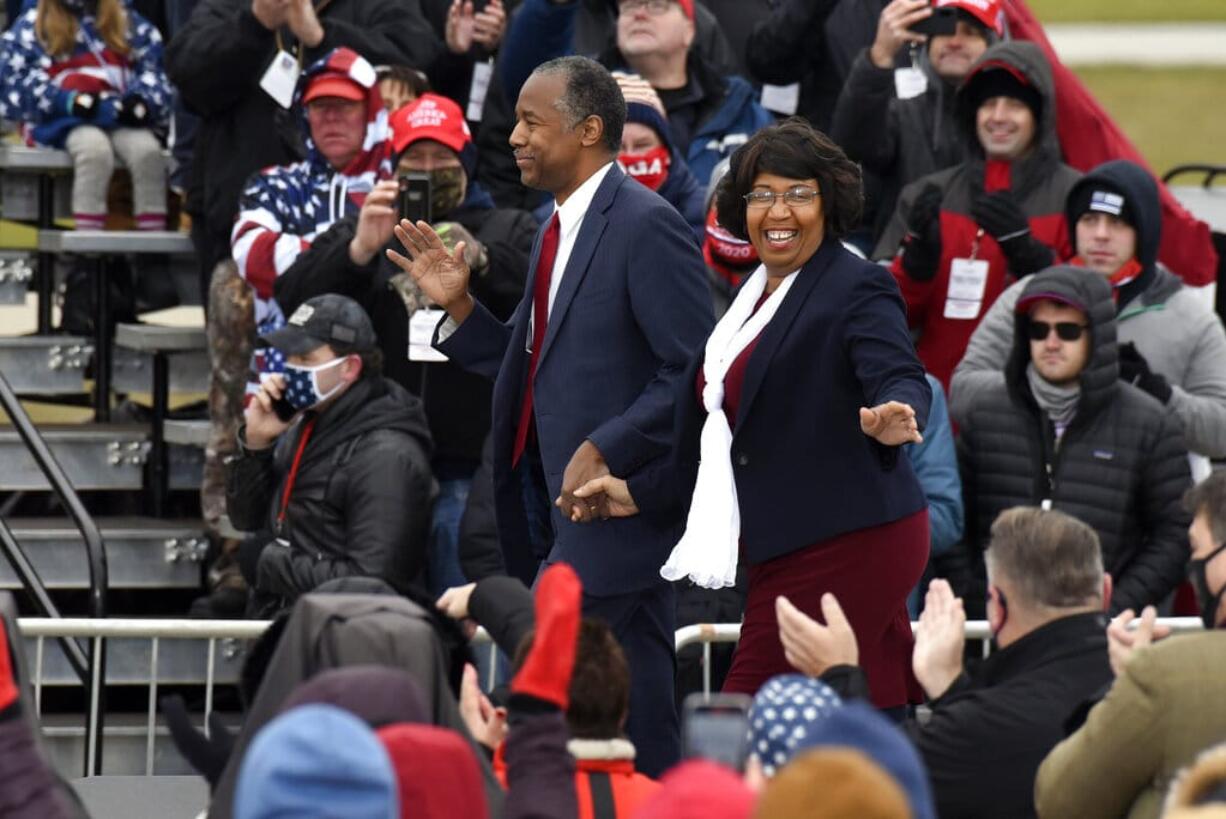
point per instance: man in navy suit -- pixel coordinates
(585, 371)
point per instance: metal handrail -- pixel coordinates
(1211, 173)
(91, 669)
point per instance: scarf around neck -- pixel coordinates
(707, 552)
(1059, 402)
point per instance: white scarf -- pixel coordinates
(707, 552)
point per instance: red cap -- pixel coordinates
(985, 11)
(430, 116)
(333, 85)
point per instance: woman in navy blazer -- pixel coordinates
(818, 402)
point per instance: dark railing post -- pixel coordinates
(46, 261)
(92, 673)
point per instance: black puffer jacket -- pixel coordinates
(360, 505)
(1120, 467)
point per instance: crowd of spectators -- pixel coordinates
(383, 196)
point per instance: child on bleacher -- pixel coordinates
(87, 76)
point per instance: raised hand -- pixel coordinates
(810, 647)
(441, 275)
(892, 423)
(304, 23)
(376, 221)
(489, 25)
(1123, 642)
(939, 640)
(893, 30)
(460, 27)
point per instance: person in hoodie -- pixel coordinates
(216, 62)
(960, 236)
(900, 123)
(429, 136)
(87, 76)
(1063, 431)
(649, 155)
(284, 208)
(1172, 344)
(345, 484)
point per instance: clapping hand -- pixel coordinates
(939, 640)
(441, 275)
(892, 423)
(487, 724)
(1122, 642)
(810, 647)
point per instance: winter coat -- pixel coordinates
(797, 43)
(37, 88)
(216, 62)
(606, 784)
(1162, 711)
(1039, 182)
(897, 140)
(1120, 467)
(328, 631)
(457, 402)
(284, 208)
(362, 499)
(1172, 326)
(935, 462)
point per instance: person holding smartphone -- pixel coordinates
(896, 113)
(334, 459)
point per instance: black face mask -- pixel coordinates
(1209, 600)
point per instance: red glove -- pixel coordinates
(8, 685)
(546, 672)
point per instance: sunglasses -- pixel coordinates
(1065, 330)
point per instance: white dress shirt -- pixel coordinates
(570, 219)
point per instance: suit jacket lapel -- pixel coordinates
(775, 331)
(590, 231)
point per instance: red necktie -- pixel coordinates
(540, 318)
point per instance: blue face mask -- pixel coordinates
(302, 385)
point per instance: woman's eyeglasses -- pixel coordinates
(793, 198)
(1065, 330)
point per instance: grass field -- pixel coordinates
(1173, 115)
(1121, 11)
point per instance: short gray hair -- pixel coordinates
(1051, 559)
(590, 91)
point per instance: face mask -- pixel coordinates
(446, 190)
(650, 168)
(1209, 601)
(302, 385)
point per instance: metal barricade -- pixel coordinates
(97, 631)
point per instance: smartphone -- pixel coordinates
(284, 409)
(415, 193)
(942, 23)
(716, 728)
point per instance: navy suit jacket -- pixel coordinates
(631, 310)
(804, 470)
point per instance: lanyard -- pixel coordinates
(100, 56)
(307, 426)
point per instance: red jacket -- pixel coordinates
(613, 759)
(1039, 181)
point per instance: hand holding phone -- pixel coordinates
(416, 191)
(716, 727)
(269, 413)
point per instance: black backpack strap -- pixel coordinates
(601, 787)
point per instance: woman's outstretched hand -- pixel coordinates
(892, 423)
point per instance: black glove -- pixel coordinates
(921, 247)
(248, 558)
(1002, 218)
(1135, 370)
(84, 106)
(133, 112)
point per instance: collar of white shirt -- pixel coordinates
(570, 213)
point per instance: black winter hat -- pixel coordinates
(1100, 197)
(998, 80)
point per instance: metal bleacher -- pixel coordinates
(155, 559)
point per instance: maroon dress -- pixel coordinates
(871, 571)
